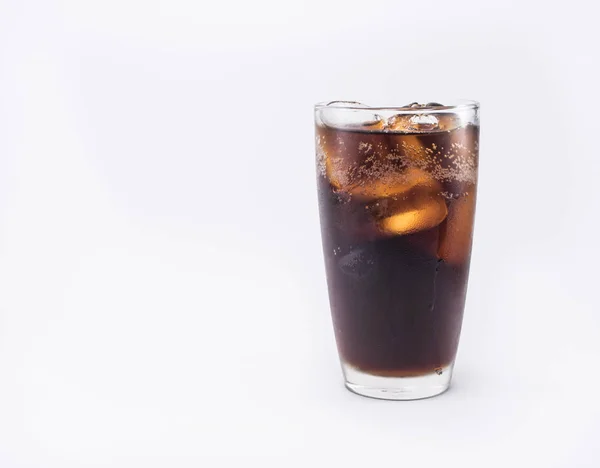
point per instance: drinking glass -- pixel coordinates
(397, 191)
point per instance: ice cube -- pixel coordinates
(456, 238)
(398, 123)
(350, 158)
(412, 123)
(447, 122)
(395, 184)
(423, 212)
(349, 114)
(456, 160)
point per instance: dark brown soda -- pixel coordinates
(397, 298)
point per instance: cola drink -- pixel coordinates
(397, 203)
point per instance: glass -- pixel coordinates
(397, 189)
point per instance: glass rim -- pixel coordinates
(457, 105)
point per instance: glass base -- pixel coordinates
(397, 388)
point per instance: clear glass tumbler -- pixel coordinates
(397, 189)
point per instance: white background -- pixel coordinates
(162, 291)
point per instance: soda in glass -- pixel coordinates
(397, 190)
